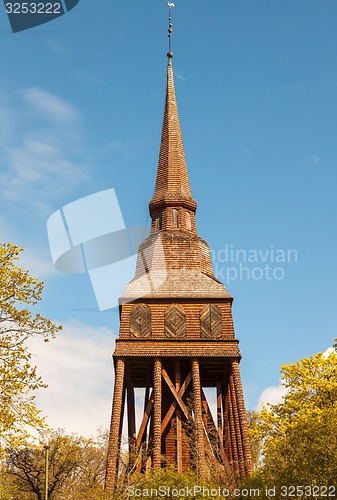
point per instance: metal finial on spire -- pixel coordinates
(170, 53)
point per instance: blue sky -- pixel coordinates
(81, 106)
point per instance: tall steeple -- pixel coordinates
(172, 185)
(172, 205)
(185, 258)
(176, 338)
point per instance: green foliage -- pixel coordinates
(17, 325)
(166, 484)
(8, 490)
(298, 438)
(76, 468)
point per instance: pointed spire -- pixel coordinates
(172, 184)
(173, 261)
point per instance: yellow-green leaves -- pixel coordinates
(18, 378)
(298, 437)
(76, 468)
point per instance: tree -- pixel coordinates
(76, 468)
(7, 487)
(168, 483)
(299, 436)
(18, 378)
(255, 440)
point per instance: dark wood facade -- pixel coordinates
(176, 339)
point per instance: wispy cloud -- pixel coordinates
(118, 146)
(57, 46)
(179, 76)
(50, 105)
(92, 79)
(37, 262)
(77, 367)
(39, 166)
(39, 159)
(272, 395)
(8, 120)
(35, 258)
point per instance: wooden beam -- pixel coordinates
(243, 419)
(219, 411)
(220, 425)
(146, 399)
(174, 405)
(236, 418)
(114, 438)
(130, 407)
(233, 442)
(147, 387)
(223, 455)
(157, 387)
(121, 425)
(205, 411)
(199, 428)
(209, 424)
(178, 420)
(145, 419)
(209, 449)
(226, 426)
(174, 392)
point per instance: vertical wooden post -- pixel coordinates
(131, 417)
(226, 416)
(226, 426)
(147, 387)
(201, 466)
(233, 441)
(206, 414)
(157, 387)
(115, 428)
(219, 412)
(131, 407)
(121, 420)
(178, 418)
(237, 428)
(243, 419)
(146, 399)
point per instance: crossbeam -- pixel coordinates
(174, 392)
(145, 419)
(174, 405)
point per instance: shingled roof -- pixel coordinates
(172, 184)
(173, 258)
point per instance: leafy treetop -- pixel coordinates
(17, 325)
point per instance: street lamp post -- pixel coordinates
(44, 440)
(46, 447)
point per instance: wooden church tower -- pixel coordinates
(176, 339)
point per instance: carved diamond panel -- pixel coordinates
(210, 322)
(175, 322)
(140, 321)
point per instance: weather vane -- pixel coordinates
(170, 5)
